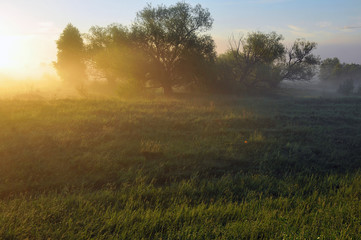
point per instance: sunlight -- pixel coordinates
(7, 50)
(20, 56)
(16, 52)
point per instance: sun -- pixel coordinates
(12, 50)
(16, 55)
(7, 53)
(22, 53)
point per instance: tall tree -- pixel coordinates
(70, 57)
(169, 36)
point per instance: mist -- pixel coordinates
(143, 129)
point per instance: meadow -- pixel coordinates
(206, 167)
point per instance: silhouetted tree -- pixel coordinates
(300, 63)
(260, 60)
(227, 72)
(254, 56)
(70, 57)
(170, 36)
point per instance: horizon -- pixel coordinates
(28, 31)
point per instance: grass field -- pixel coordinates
(182, 168)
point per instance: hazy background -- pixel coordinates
(29, 29)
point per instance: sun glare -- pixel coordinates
(24, 55)
(18, 55)
(7, 44)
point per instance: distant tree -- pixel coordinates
(330, 70)
(171, 39)
(300, 63)
(352, 71)
(70, 57)
(346, 87)
(358, 91)
(260, 60)
(334, 72)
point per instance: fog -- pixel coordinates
(48, 87)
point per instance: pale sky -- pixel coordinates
(29, 28)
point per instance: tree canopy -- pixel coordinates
(335, 72)
(70, 57)
(300, 63)
(254, 55)
(167, 47)
(171, 37)
(111, 51)
(261, 60)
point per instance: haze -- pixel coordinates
(29, 29)
(180, 120)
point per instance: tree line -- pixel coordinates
(168, 46)
(347, 77)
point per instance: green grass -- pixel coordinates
(182, 168)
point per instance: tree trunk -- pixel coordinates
(167, 82)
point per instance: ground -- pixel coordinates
(206, 167)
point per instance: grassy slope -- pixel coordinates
(180, 169)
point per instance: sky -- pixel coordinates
(29, 29)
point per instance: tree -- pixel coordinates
(196, 64)
(70, 57)
(346, 87)
(254, 56)
(170, 37)
(300, 63)
(334, 72)
(110, 50)
(330, 70)
(260, 60)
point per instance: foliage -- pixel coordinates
(358, 91)
(171, 37)
(70, 58)
(166, 47)
(254, 56)
(346, 87)
(300, 63)
(226, 72)
(196, 67)
(260, 60)
(194, 168)
(330, 70)
(111, 51)
(106, 48)
(335, 72)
